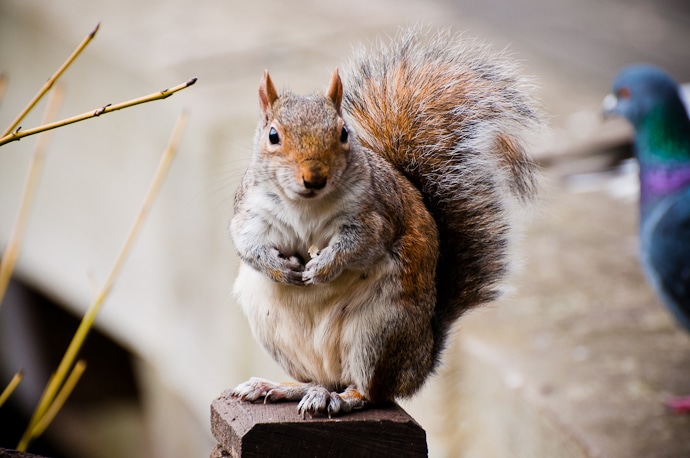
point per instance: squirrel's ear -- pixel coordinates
(267, 95)
(335, 90)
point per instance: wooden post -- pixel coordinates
(5, 453)
(246, 430)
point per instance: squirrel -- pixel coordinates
(371, 217)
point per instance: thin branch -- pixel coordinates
(7, 392)
(9, 257)
(90, 315)
(46, 87)
(60, 400)
(3, 85)
(27, 437)
(17, 135)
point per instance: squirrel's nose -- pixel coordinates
(314, 182)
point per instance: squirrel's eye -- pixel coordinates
(273, 136)
(343, 135)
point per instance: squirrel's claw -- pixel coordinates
(252, 389)
(321, 268)
(256, 388)
(290, 270)
(319, 400)
(295, 277)
(313, 399)
(316, 400)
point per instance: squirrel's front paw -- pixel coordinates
(286, 269)
(320, 268)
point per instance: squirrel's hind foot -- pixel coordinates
(319, 400)
(313, 399)
(257, 388)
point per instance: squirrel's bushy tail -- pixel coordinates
(451, 116)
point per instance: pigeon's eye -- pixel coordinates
(623, 93)
(273, 136)
(343, 135)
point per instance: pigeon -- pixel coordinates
(651, 101)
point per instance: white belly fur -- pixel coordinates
(317, 333)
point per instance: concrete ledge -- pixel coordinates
(582, 360)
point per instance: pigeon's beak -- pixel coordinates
(609, 105)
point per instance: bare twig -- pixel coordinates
(60, 400)
(3, 85)
(48, 84)
(7, 392)
(9, 257)
(89, 317)
(17, 135)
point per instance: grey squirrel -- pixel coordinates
(372, 217)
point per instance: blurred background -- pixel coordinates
(577, 361)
